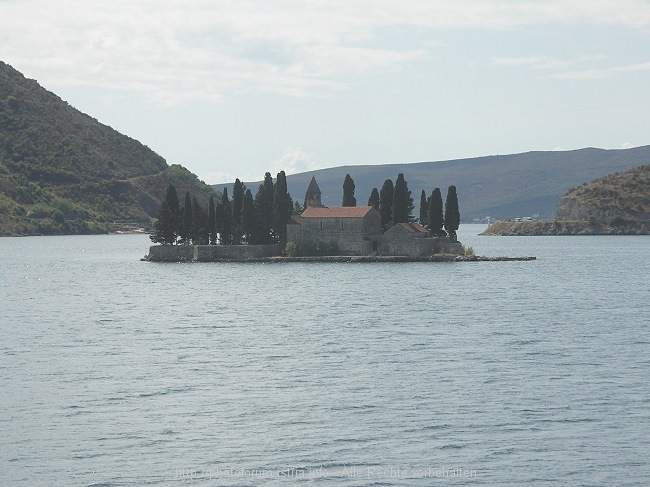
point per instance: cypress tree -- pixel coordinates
(424, 209)
(219, 218)
(348, 192)
(164, 229)
(226, 229)
(199, 229)
(171, 197)
(212, 222)
(436, 219)
(237, 204)
(264, 208)
(250, 226)
(186, 233)
(386, 204)
(452, 213)
(374, 199)
(402, 201)
(282, 207)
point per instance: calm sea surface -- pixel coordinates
(120, 372)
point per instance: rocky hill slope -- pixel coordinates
(63, 172)
(617, 204)
(622, 196)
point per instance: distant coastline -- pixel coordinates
(566, 228)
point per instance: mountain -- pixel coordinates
(620, 196)
(63, 172)
(502, 186)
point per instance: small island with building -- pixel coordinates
(271, 227)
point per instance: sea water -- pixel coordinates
(116, 372)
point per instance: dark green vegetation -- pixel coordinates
(348, 192)
(242, 220)
(502, 186)
(402, 201)
(63, 172)
(435, 215)
(452, 213)
(395, 205)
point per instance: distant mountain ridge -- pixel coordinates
(501, 186)
(61, 171)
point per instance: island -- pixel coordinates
(271, 228)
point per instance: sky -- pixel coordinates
(236, 88)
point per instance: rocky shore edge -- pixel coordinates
(561, 228)
(367, 258)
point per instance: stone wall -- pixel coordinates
(210, 253)
(411, 246)
(445, 245)
(352, 235)
(171, 253)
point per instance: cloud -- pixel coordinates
(599, 73)
(293, 161)
(174, 52)
(532, 62)
(579, 72)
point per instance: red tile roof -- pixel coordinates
(413, 227)
(336, 212)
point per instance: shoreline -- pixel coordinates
(361, 259)
(563, 228)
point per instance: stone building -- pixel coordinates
(356, 230)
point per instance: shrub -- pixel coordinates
(618, 221)
(468, 251)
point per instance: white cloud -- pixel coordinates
(173, 52)
(598, 73)
(226, 178)
(293, 161)
(533, 62)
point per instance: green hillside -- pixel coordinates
(502, 186)
(63, 172)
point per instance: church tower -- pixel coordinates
(313, 194)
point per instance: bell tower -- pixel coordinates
(313, 194)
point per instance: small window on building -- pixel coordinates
(341, 224)
(321, 225)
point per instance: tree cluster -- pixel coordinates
(393, 202)
(395, 205)
(244, 219)
(432, 216)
